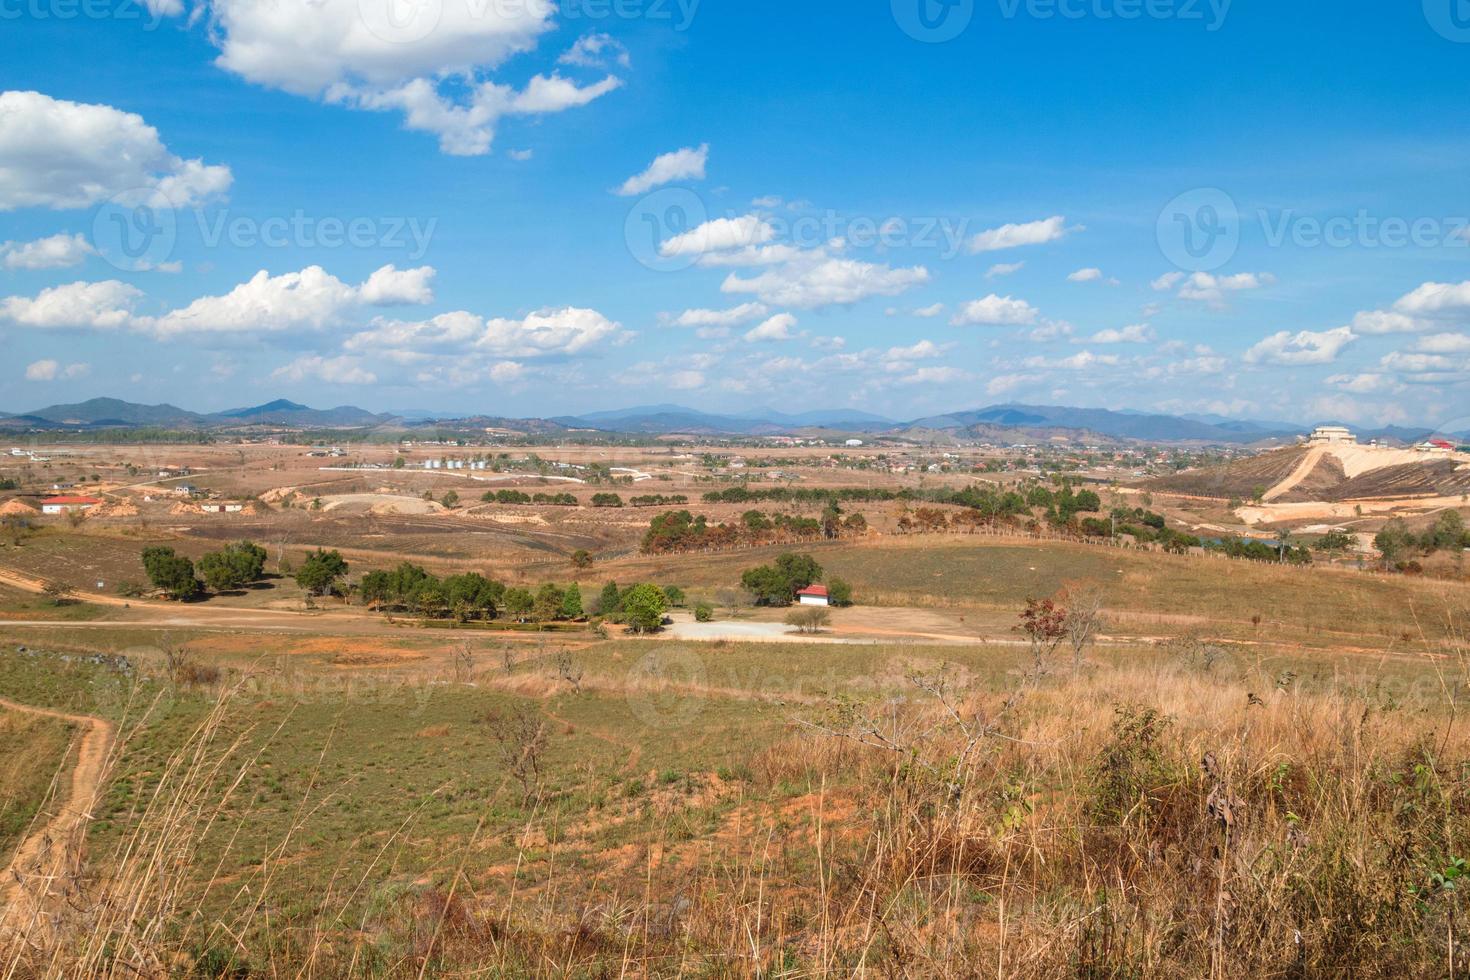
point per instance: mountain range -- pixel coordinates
(1010, 422)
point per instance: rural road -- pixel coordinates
(53, 850)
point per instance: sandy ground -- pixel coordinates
(383, 503)
(1321, 510)
(36, 878)
(1303, 470)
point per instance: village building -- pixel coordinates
(67, 505)
(814, 595)
(1332, 435)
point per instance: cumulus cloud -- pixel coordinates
(1436, 299)
(597, 51)
(390, 286)
(1302, 348)
(428, 61)
(57, 252)
(1016, 235)
(1202, 287)
(935, 376)
(329, 370)
(744, 313)
(1362, 384)
(553, 331)
(1001, 269)
(1444, 343)
(105, 305)
(936, 309)
(1091, 275)
(58, 154)
(49, 370)
(817, 279)
(686, 164)
(778, 327)
(923, 350)
(1137, 333)
(995, 311)
(719, 235)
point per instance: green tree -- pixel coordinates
(610, 601)
(450, 500)
(170, 572)
(581, 558)
(839, 592)
(571, 602)
(321, 571)
(548, 603)
(644, 607)
(1394, 541)
(519, 603)
(234, 567)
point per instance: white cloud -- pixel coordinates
(1436, 299)
(1167, 281)
(1091, 275)
(329, 370)
(1206, 288)
(1384, 322)
(1301, 348)
(390, 286)
(58, 154)
(428, 60)
(1004, 383)
(686, 164)
(1444, 343)
(49, 370)
(923, 350)
(744, 313)
(995, 311)
(927, 312)
(1137, 333)
(507, 372)
(1081, 361)
(597, 51)
(751, 257)
(719, 235)
(817, 279)
(467, 127)
(1405, 363)
(80, 305)
(935, 376)
(522, 155)
(57, 252)
(1014, 236)
(546, 332)
(1362, 384)
(1004, 269)
(778, 327)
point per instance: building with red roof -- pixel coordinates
(814, 595)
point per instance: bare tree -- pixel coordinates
(809, 620)
(568, 670)
(1082, 621)
(521, 737)
(464, 663)
(56, 591)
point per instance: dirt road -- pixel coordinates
(37, 874)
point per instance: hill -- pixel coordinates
(283, 412)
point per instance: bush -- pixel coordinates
(809, 619)
(703, 612)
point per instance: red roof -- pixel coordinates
(71, 500)
(1440, 443)
(814, 590)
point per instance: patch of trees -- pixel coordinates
(1262, 551)
(1396, 542)
(518, 498)
(679, 530)
(606, 500)
(640, 607)
(658, 500)
(745, 495)
(235, 567)
(9, 484)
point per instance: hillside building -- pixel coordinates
(1332, 435)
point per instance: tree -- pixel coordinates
(1045, 624)
(839, 592)
(321, 572)
(521, 736)
(170, 572)
(15, 528)
(450, 500)
(519, 603)
(236, 566)
(703, 612)
(610, 601)
(1394, 540)
(777, 585)
(581, 558)
(548, 603)
(644, 607)
(56, 591)
(571, 602)
(1081, 621)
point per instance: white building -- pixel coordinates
(1330, 435)
(814, 595)
(853, 443)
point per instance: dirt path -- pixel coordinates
(1303, 470)
(37, 873)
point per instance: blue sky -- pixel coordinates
(1244, 208)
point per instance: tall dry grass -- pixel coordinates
(1192, 814)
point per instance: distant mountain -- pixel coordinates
(834, 418)
(663, 419)
(113, 412)
(283, 412)
(1117, 425)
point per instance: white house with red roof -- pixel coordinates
(814, 595)
(67, 504)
